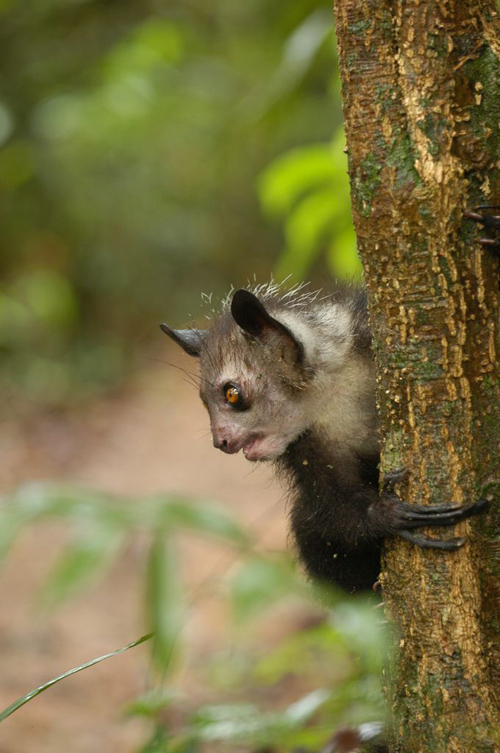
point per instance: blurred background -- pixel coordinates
(150, 152)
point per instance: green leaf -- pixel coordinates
(258, 584)
(293, 174)
(343, 258)
(300, 51)
(49, 296)
(361, 628)
(87, 507)
(37, 500)
(33, 693)
(302, 710)
(310, 187)
(164, 601)
(316, 651)
(312, 221)
(154, 44)
(304, 42)
(203, 517)
(245, 722)
(228, 722)
(82, 561)
(150, 703)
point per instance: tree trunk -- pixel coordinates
(422, 115)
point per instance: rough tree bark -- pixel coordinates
(420, 85)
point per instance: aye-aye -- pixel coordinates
(289, 377)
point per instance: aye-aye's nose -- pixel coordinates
(222, 441)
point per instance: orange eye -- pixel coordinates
(233, 395)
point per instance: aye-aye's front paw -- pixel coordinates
(406, 517)
(489, 217)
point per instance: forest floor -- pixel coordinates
(151, 437)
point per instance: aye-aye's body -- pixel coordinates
(290, 378)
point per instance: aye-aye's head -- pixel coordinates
(255, 378)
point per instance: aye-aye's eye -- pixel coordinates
(233, 395)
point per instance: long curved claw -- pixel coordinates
(483, 215)
(481, 207)
(489, 243)
(449, 545)
(474, 216)
(417, 516)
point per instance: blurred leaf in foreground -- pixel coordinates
(260, 582)
(163, 601)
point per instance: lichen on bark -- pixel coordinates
(422, 118)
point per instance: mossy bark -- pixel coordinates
(421, 94)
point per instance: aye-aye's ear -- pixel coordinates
(190, 340)
(251, 315)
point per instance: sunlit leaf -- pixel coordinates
(343, 258)
(293, 174)
(309, 187)
(310, 223)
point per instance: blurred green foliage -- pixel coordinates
(150, 151)
(344, 652)
(132, 138)
(308, 187)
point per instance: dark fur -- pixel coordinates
(344, 547)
